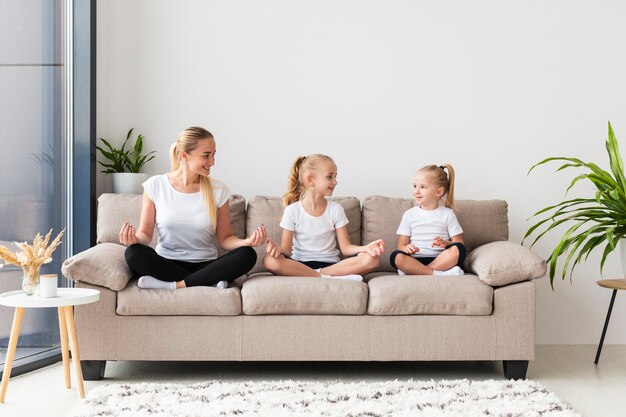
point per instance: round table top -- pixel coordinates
(65, 297)
(615, 284)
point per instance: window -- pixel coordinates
(34, 194)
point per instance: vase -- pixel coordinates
(30, 282)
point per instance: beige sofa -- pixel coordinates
(487, 314)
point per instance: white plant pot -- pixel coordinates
(128, 182)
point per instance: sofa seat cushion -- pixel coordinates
(194, 301)
(464, 295)
(298, 295)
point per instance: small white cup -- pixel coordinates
(48, 285)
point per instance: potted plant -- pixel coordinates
(125, 165)
(596, 222)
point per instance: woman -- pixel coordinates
(191, 214)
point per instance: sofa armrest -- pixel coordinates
(504, 262)
(102, 265)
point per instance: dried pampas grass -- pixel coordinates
(31, 257)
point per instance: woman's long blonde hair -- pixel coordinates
(188, 141)
(441, 179)
(301, 167)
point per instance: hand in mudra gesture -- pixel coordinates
(127, 235)
(272, 249)
(258, 237)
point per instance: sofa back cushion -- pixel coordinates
(116, 209)
(483, 221)
(269, 210)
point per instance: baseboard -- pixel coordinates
(34, 361)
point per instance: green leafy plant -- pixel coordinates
(596, 222)
(122, 159)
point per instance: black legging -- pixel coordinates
(428, 260)
(143, 260)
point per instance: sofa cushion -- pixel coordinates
(194, 301)
(482, 221)
(116, 209)
(269, 210)
(102, 265)
(300, 295)
(502, 263)
(463, 295)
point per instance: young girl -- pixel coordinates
(192, 216)
(431, 239)
(310, 224)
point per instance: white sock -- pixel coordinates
(455, 270)
(401, 272)
(222, 285)
(351, 277)
(148, 282)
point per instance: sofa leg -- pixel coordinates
(515, 369)
(93, 370)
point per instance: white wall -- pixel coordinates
(384, 87)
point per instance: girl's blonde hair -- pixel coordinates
(442, 179)
(188, 141)
(301, 167)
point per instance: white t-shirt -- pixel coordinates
(314, 237)
(183, 223)
(422, 226)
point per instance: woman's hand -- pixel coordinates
(272, 249)
(127, 235)
(441, 242)
(258, 237)
(375, 248)
(411, 249)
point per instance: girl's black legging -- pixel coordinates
(427, 260)
(143, 260)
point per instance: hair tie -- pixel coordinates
(441, 167)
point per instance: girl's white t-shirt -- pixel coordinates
(423, 226)
(314, 237)
(183, 224)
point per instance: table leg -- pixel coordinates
(15, 333)
(64, 352)
(71, 331)
(606, 325)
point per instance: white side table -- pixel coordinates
(65, 300)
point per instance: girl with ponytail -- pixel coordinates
(191, 213)
(431, 238)
(313, 225)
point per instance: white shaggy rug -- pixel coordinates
(296, 398)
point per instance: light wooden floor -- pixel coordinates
(568, 370)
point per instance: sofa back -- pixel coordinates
(483, 221)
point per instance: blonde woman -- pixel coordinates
(191, 214)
